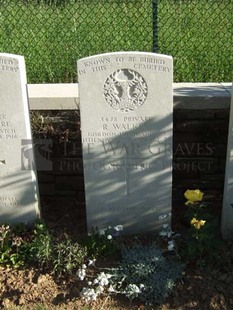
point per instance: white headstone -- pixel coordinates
(227, 210)
(126, 124)
(18, 184)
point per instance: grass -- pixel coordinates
(199, 34)
(52, 38)
(53, 34)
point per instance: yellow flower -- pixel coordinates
(197, 223)
(193, 196)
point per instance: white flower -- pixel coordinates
(163, 233)
(104, 282)
(89, 283)
(169, 234)
(81, 277)
(109, 237)
(91, 262)
(132, 290)
(171, 245)
(118, 228)
(101, 232)
(81, 273)
(111, 289)
(103, 279)
(88, 294)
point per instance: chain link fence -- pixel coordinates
(54, 34)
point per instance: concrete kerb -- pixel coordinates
(186, 96)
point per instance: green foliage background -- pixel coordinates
(54, 34)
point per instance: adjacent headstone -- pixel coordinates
(126, 124)
(18, 184)
(227, 210)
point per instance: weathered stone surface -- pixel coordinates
(227, 211)
(18, 184)
(126, 123)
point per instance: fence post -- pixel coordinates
(155, 25)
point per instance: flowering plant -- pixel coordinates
(203, 231)
(195, 208)
(143, 273)
(193, 196)
(197, 223)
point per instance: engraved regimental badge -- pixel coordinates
(125, 90)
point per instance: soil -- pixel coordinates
(208, 288)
